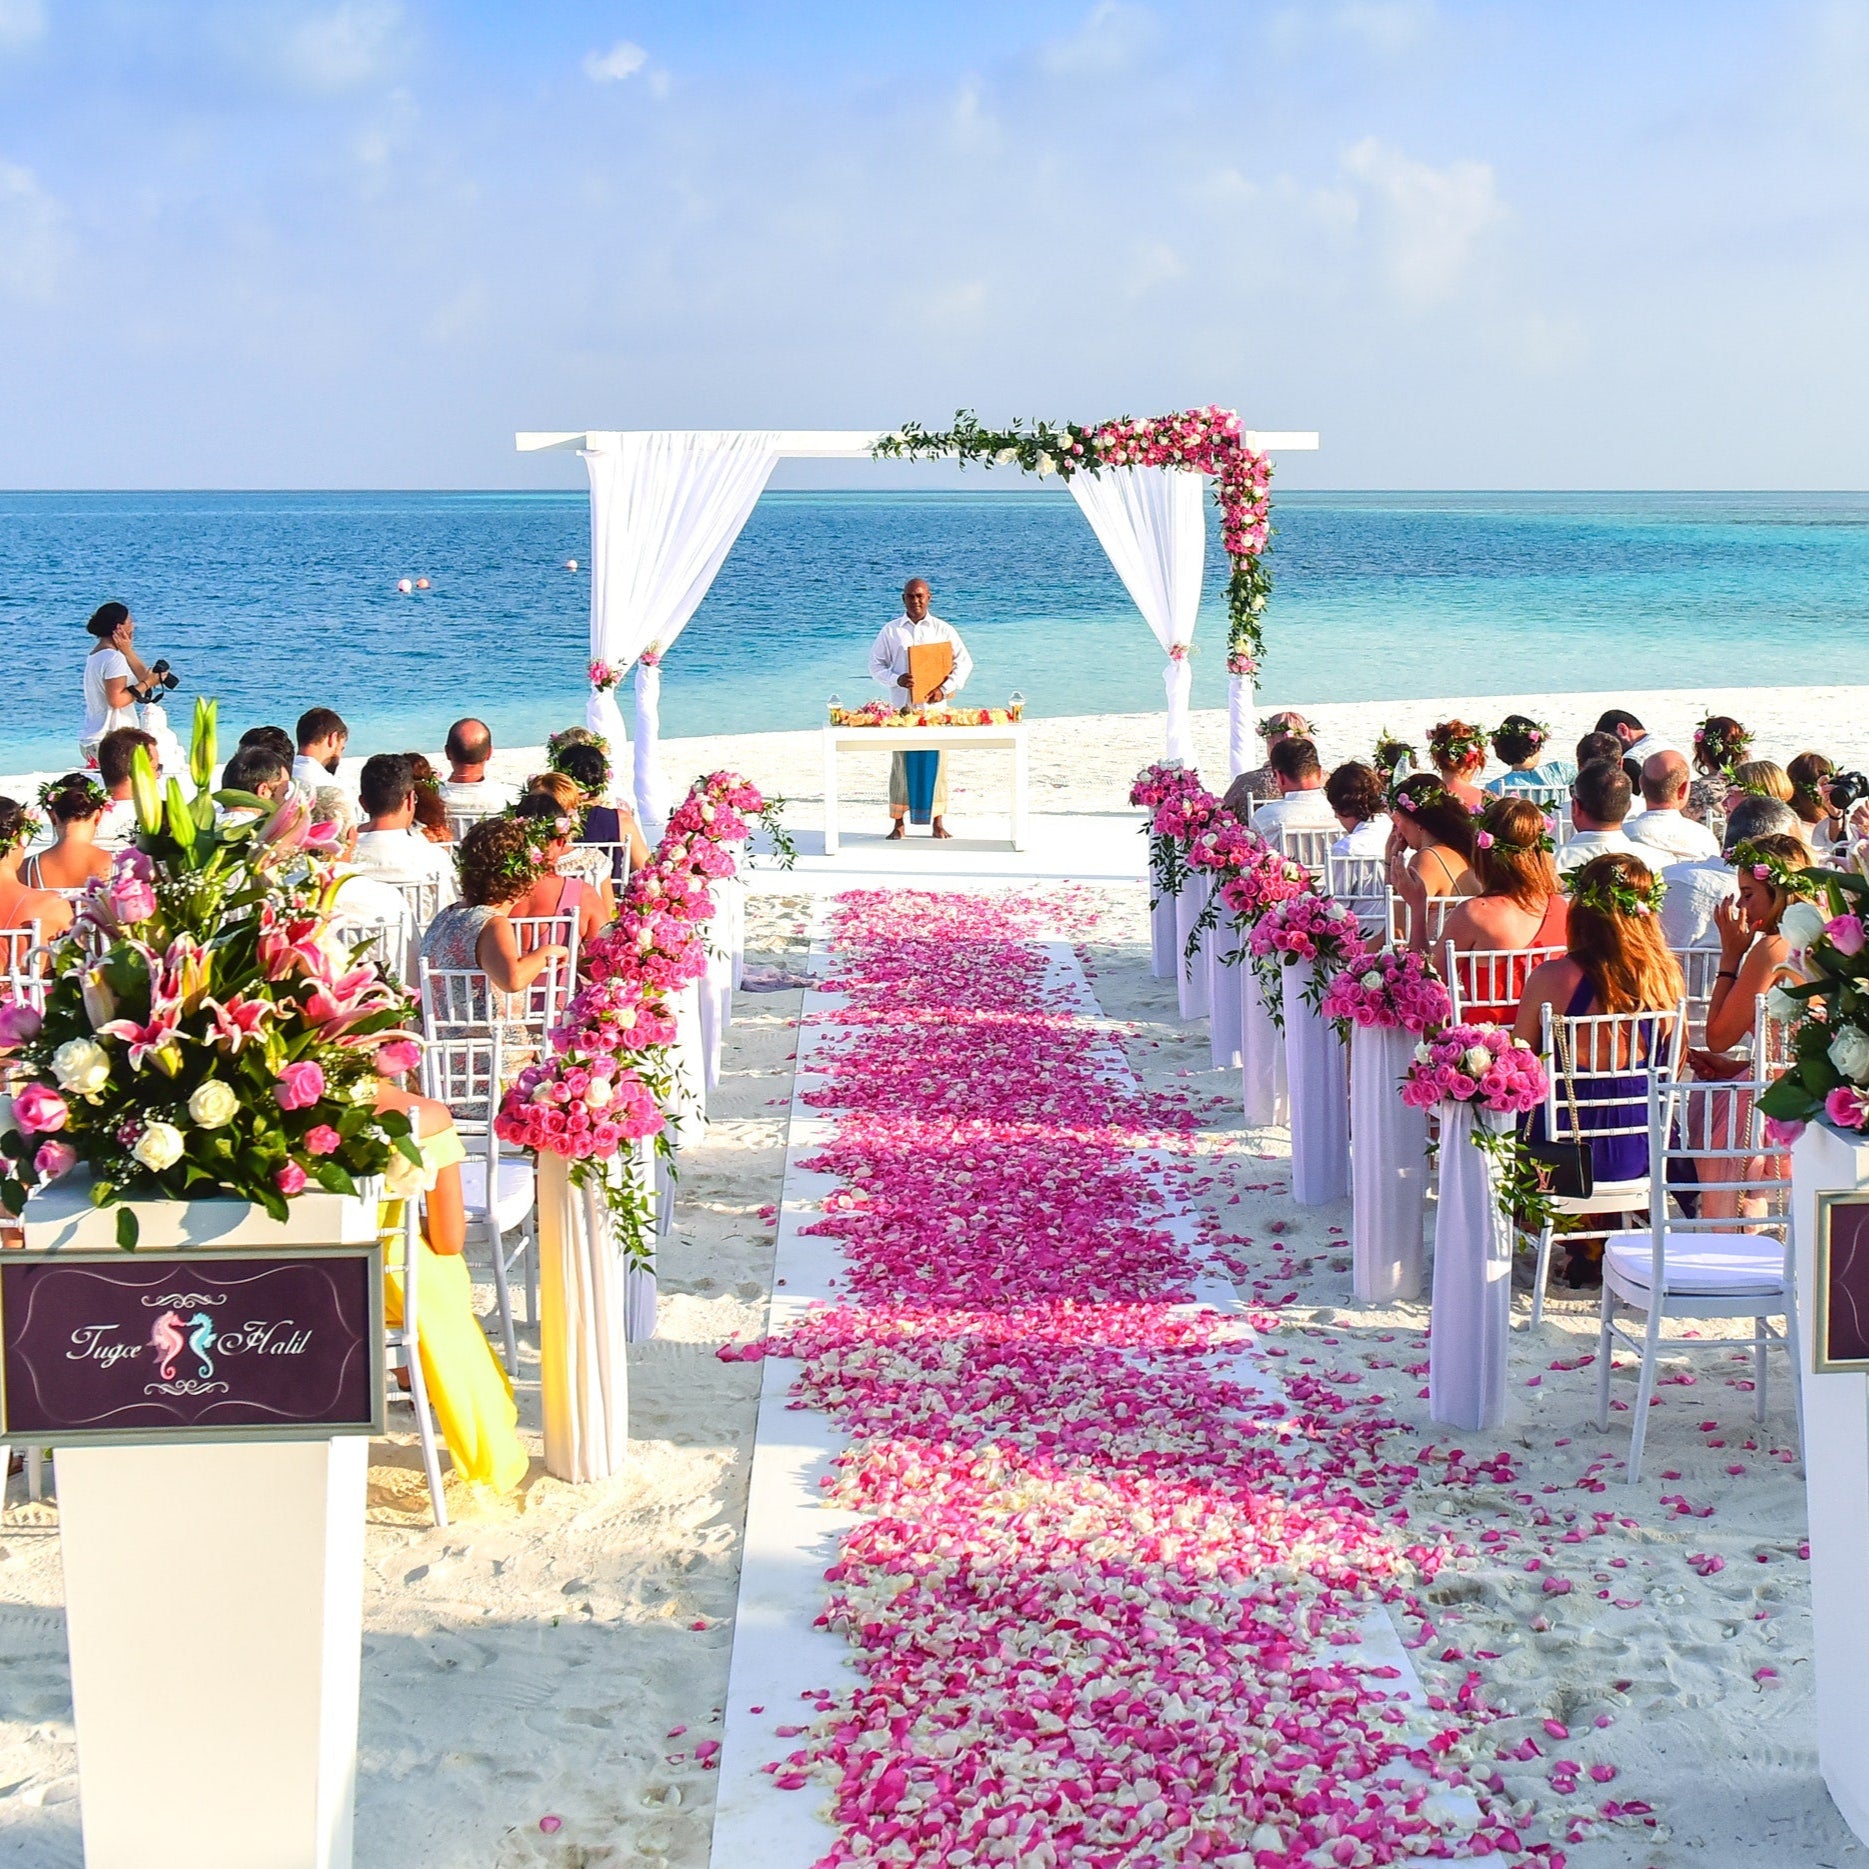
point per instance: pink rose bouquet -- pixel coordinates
(1303, 927)
(1479, 1064)
(1390, 991)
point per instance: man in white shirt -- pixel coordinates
(1301, 804)
(115, 751)
(917, 781)
(389, 842)
(1638, 744)
(1599, 803)
(467, 787)
(1661, 826)
(322, 738)
(1356, 796)
(1697, 887)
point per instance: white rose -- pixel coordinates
(1476, 1062)
(598, 1095)
(1424, 1053)
(1802, 923)
(1780, 1006)
(159, 1146)
(1006, 456)
(1372, 981)
(1046, 464)
(81, 1066)
(1849, 1052)
(213, 1105)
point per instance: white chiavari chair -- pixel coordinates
(458, 1002)
(1361, 884)
(1307, 844)
(402, 1342)
(22, 965)
(1435, 911)
(497, 1190)
(420, 894)
(1700, 967)
(547, 996)
(1596, 1066)
(1730, 1258)
(463, 818)
(1549, 797)
(389, 946)
(1486, 984)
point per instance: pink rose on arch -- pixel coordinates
(290, 1179)
(1846, 934)
(324, 1140)
(19, 1024)
(38, 1110)
(300, 1085)
(55, 1159)
(1847, 1107)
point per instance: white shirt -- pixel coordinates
(1308, 810)
(100, 718)
(889, 655)
(1369, 839)
(118, 824)
(1648, 746)
(314, 778)
(406, 853)
(1695, 890)
(483, 795)
(1587, 844)
(1676, 837)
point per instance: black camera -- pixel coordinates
(162, 678)
(1844, 789)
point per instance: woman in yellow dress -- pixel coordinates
(467, 1388)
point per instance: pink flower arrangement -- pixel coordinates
(1225, 846)
(1389, 991)
(604, 677)
(1479, 1064)
(1263, 884)
(1152, 783)
(1307, 926)
(583, 1108)
(1185, 811)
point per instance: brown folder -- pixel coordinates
(930, 664)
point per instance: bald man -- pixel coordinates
(1660, 826)
(917, 781)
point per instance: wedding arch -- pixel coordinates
(667, 505)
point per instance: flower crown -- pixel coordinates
(1726, 749)
(94, 796)
(1545, 841)
(1534, 731)
(556, 743)
(1284, 723)
(519, 868)
(23, 832)
(1395, 750)
(1453, 743)
(1427, 792)
(1618, 895)
(430, 784)
(1772, 869)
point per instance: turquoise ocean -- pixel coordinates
(279, 601)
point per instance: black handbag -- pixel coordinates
(1566, 1170)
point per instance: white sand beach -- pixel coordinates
(563, 1657)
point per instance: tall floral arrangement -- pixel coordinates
(1308, 927)
(1486, 1067)
(1827, 1077)
(206, 1031)
(1203, 441)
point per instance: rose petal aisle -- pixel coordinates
(1103, 1591)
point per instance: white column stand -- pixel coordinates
(258, 1551)
(1836, 1488)
(1472, 1315)
(1223, 992)
(1239, 725)
(1262, 1057)
(1389, 1168)
(1161, 935)
(1191, 974)
(583, 1367)
(736, 928)
(688, 1116)
(714, 998)
(1317, 1079)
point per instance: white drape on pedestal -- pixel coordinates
(687, 1112)
(1153, 523)
(1191, 971)
(1262, 1056)
(1161, 934)
(651, 798)
(1240, 725)
(1318, 1087)
(1223, 992)
(1389, 1167)
(1471, 1322)
(665, 509)
(583, 1370)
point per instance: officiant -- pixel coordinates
(917, 781)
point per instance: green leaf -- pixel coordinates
(409, 1152)
(1788, 1101)
(331, 1176)
(13, 1195)
(129, 1228)
(102, 1193)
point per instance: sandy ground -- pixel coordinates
(539, 1661)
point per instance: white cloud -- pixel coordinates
(1384, 26)
(623, 60)
(341, 47)
(32, 236)
(1432, 220)
(1112, 37)
(22, 23)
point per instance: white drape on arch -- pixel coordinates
(1153, 523)
(666, 508)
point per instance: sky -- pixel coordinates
(299, 243)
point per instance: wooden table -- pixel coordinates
(1009, 738)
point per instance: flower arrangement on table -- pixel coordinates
(926, 714)
(1310, 927)
(205, 1031)
(1827, 1078)
(1388, 991)
(1486, 1067)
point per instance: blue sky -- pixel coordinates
(359, 242)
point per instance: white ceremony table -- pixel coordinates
(1010, 739)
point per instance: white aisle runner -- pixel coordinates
(791, 1537)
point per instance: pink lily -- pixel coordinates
(238, 1021)
(155, 1040)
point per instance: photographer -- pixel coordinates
(115, 679)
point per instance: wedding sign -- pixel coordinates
(1842, 1283)
(101, 1349)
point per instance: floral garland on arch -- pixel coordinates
(1204, 441)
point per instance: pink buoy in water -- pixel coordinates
(571, 564)
(405, 585)
(421, 584)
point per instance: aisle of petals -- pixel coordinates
(1105, 1593)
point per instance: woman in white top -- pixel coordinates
(111, 670)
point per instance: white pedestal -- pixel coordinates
(1836, 1486)
(583, 1363)
(1223, 993)
(214, 1610)
(687, 1117)
(1162, 937)
(1317, 1082)
(1009, 738)
(1262, 1056)
(1191, 974)
(1389, 1168)
(1472, 1307)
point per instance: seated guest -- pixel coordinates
(1720, 743)
(1301, 804)
(322, 739)
(1356, 795)
(1430, 851)
(21, 904)
(1759, 778)
(115, 752)
(256, 768)
(1696, 889)
(1517, 741)
(1615, 961)
(1261, 783)
(431, 815)
(1458, 754)
(1599, 801)
(363, 899)
(585, 765)
(74, 806)
(1595, 746)
(467, 787)
(389, 840)
(552, 892)
(1810, 775)
(1661, 826)
(1637, 743)
(275, 740)
(1518, 905)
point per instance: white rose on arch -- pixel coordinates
(1849, 1052)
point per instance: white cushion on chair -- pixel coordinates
(514, 1186)
(1702, 1265)
(1607, 1197)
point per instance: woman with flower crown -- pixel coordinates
(1517, 742)
(21, 905)
(1430, 851)
(75, 806)
(1458, 751)
(1519, 905)
(1720, 743)
(1615, 961)
(553, 827)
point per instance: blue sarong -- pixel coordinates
(919, 772)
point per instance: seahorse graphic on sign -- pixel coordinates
(168, 1342)
(201, 1341)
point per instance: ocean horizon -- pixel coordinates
(275, 602)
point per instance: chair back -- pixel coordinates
(1435, 911)
(594, 864)
(1598, 1065)
(462, 820)
(1361, 884)
(547, 995)
(22, 966)
(1491, 980)
(1550, 798)
(390, 947)
(1700, 967)
(1708, 1135)
(464, 1073)
(1559, 813)
(457, 1002)
(421, 894)
(1306, 844)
